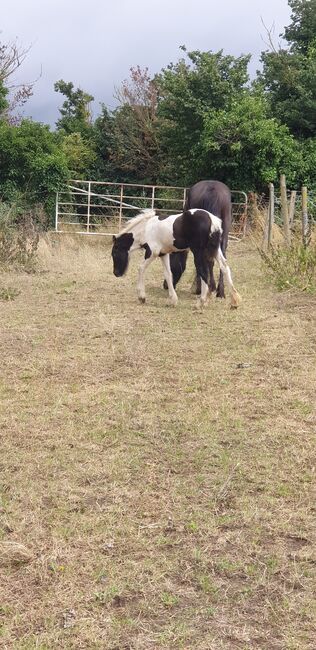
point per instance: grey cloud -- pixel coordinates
(93, 44)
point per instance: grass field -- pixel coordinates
(157, 465)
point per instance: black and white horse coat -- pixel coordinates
(215, 197)
(195, 230)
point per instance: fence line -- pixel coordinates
(288, 207)
(99, 207)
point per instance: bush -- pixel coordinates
(19, 237)
(32, 165)
(292, 268)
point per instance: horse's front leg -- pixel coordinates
(165, 259)
(141, 278)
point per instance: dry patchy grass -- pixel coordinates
(157, 464)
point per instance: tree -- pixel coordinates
(103, 140)
(32, 165)
(79, 154)
(12, 95)
(206, 81)
(289, 74)
(134, 146)
(75, 111)
(247, 148)
(301, 33)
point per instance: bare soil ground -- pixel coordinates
(157, 465)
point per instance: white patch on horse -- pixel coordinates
(216, 223)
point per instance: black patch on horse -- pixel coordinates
(147, 251)
(178, 239)
(125, 241)
(120, 253)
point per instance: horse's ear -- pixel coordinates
(114, 239)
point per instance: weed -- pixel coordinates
(8, 293)
(293, 267)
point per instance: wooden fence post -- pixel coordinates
(267, 233)
(271, 212)
(304, 216)
(292, 207)
(285, 212)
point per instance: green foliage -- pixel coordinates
(8, 293)
(79, 154)
(289, 75)
(103, 142)
(301, 33)
(245, 146)
(133, 149)
(292, 268)
(132, 142)
(188, 90)
(75, 111)
(32, 165)
(290, 81)
(213, 125)
(3, 98)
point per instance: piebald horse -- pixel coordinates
(215, 197)
(195, 230)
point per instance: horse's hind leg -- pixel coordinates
(196, 284)
(165, 259)
(235, 298)
(220, 293)
(211, 282)
(201, 266)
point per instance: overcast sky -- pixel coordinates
(93, 43)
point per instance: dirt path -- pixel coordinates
(157, 464)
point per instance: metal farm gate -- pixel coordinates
(102, 208)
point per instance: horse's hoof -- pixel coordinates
(235, 300)
(142, 300)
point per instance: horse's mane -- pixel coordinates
(143, 216)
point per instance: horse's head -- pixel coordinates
(120, 253)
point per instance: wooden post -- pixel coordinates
(285, 212)
(304, 216)
(271, 212)
(269, 220)
(292, 207)
(121, 208)
(266, 230)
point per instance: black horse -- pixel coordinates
(215, 197)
